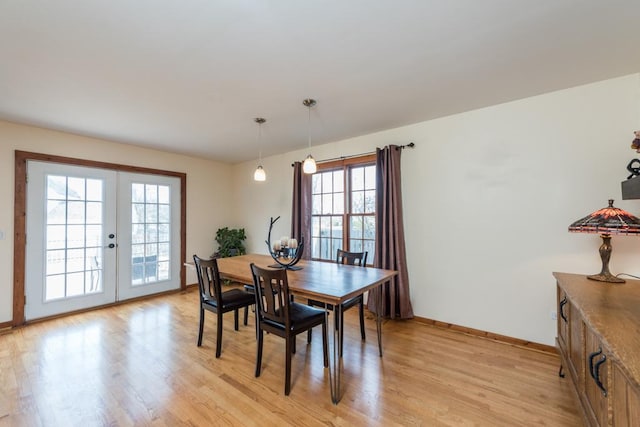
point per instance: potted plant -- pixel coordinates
(230, 242)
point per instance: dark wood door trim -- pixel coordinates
(19, 216)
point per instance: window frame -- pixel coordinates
(345, 165)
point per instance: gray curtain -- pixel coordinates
(301, 209)
(390, 250)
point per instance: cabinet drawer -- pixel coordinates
(625, 399)
(596, 383)
(576, 345)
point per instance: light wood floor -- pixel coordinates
(138, 364)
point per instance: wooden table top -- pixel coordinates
(327, 282)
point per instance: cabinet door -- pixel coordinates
(625, 399)
(596, 385)
(576, 344)
(563, 321)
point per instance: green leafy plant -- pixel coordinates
(230, 241)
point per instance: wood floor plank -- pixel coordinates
(138, 364)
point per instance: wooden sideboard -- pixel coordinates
(599, 344)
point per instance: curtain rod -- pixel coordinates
(399, 147)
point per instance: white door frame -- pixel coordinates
(20, 202)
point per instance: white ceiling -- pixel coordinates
(189, 76)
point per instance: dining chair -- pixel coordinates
(213, 299)
(277, 314)
(348, 258)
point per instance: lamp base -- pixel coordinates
(605, 254)
(606, 277)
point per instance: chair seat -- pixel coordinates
(302, 317)
(232, 299)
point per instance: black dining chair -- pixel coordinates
(213, 299)
(277, 314)
(348, 258)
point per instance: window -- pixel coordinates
(73, 242)
(150, 233)
(343, 208)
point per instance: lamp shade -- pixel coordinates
(609, 220)
(309, 165)
(259, 174)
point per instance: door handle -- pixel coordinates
(562, 304)
(591, 357)
(596, 376)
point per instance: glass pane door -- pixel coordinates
(76, 256)
(73, 242)
(71, 257)
(150, 235)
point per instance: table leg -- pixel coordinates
(378, 320)
(336, 391)
(336, 364)
(331, 365)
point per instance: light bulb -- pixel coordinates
(259, 174)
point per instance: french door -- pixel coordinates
(96, 236)
(149, 230)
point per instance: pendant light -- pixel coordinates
(309, 165)
(259, 174)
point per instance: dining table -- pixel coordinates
(328, 282)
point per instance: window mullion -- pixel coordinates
(346, 219)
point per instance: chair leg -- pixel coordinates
(309, 332)
(201, 327)
(219, 336)
(287, 379)
(246, 316)
(325, 346)
(293, 345)
(361, 309)
(259, 352)
(259, 336)
(235, 319)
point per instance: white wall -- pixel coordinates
(488, 196)
(209, 191)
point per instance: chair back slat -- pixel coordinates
(272, 294)
(208, 278)
(351, 258)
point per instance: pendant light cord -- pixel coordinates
(309, 125)
(259, 121)
(259, 143)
